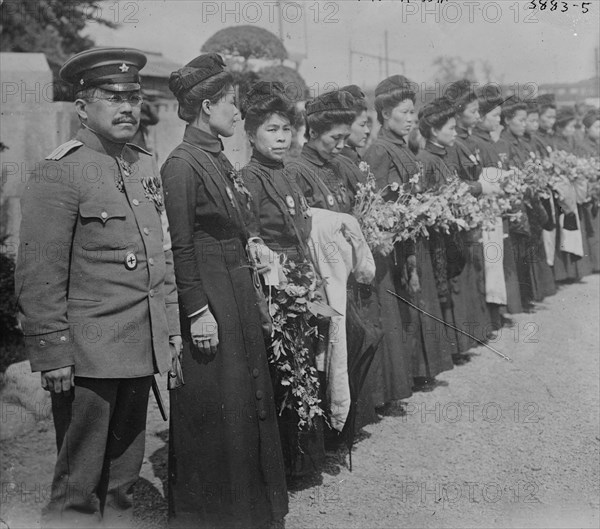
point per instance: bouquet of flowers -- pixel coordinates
(291, 309)
(593, 178)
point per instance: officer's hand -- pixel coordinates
(175, 344)
(58, 380)
(205, 333)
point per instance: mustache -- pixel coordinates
(125, 119)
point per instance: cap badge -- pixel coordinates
(124, 68)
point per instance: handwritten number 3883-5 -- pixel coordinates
(553, 5)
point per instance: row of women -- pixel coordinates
(231, 454)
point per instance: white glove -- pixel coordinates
(261, 256)
(205, 333)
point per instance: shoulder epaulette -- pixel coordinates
(64, 149)
(136, 147)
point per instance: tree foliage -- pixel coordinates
(450, 69)
(52, 27)
(295, 86)
(247, 42)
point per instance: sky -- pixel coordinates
(521, 45)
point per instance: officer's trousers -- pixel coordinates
(100, 436)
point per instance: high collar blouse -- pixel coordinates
(281, 213)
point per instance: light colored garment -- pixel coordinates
(493, 251)
(338, 248)
(571, 240)
(549, 238)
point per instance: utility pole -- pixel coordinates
(387, 55)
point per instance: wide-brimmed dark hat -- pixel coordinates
(115, 69)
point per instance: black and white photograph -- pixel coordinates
(291, 264)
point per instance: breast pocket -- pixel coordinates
(104, 226)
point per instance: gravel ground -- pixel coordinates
(495, 444)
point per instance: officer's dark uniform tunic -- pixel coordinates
(470, 307)
(96, 290)
(225, 461)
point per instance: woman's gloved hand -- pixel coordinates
(205, 334)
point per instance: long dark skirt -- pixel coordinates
(391, 371)
(586, 228)
(542, 272)
(593, 234)
(433, 351)
(567, 266)
(511, 277)
(225, 460)
(471, 312)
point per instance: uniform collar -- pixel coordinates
(390, 136)
(482, 134)
(312, 155)
(510, 137)
(202, 139)
(462, 133)
(350, 153)
(267, 162)
(434, 148)
(99, 144)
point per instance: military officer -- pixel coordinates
(96, 291)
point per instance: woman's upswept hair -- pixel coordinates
(214, 89)
(391, 100)
(321, 122)
(511, 107)
(435, 115)
(255, 113)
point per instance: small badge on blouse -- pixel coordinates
(289, 200)
(330, 200)
(130, 261)
(472, 158)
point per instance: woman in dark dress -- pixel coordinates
(325, 183)
(570, 266)
(589, 147)
(535, 277)
(437, 125)
(471, 312)
(283, 222)
(494, 154)
(225, 461)
(410, 267)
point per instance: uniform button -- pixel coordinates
(146, 231)
(151, 261)
(104, 215)
(259, 395)
(151, 293)
(63, 338)
(42, 343)
(255, 372)
(262, 415)
(135, 202)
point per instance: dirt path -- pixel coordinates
(495, 444)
